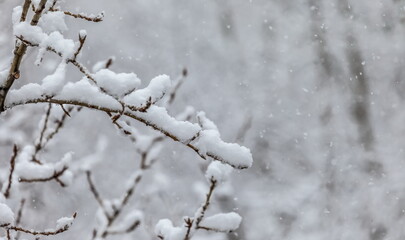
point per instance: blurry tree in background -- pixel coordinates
(314, 88)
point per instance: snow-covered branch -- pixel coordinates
(216, 174)
(121, 98)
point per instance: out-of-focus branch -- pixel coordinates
(117, 209)
(201, 213)
(60, 229)
(95, 193)
(180, 81)
(131, 228)
(12, 167)
(19, 217)
(38, 145)
(54, 176)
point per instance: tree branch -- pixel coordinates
(97, 18)
(55, 176)
(19, 52)
(35, 233)
(12, 167)
(131, 115)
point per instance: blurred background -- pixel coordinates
(314, 88)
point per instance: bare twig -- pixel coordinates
(19, 213)
(117, 209)
(38, 145)
(96, 194)
(82, 39)
(12, 167)
(59, 124)
(189, 224)
(25, 9)
(200, 215)
(109, 63)
(128, 230)
(19, 217)
(172, 94)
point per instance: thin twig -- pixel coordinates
(131, 228)
(19, 217)
(12, 167)
(82, 39)
(96, 194)
(206, 203)
(38, 145)
(97, 18)
(19, 213)
(172, 94)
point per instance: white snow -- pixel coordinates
(27, 92)
(117, 84)
(56, 41)
(154, 91)
(90, 161)
(63, 222)
(3, 76)
(143, 141)
(85, 92)
(6, 215)
(166, 229)
(222, 222)
(158, 116)
(26, 169)
(101, 64)
(53, 83)
(210, 143)
(15, 17)
(218, 171)
(53, 21)
(30, 33)
(66, 178)
(187, 113)
(36, 35)
(83, 33)
(206, 123)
